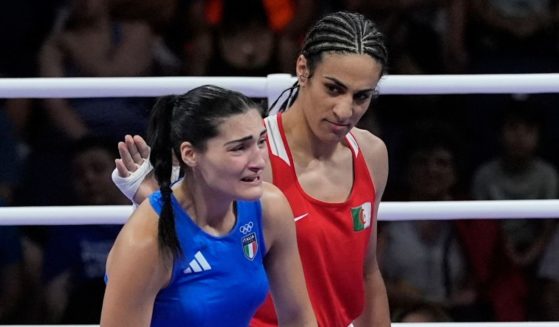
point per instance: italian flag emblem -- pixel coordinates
(361, 216)
(250, 246)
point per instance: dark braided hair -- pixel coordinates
(346, 33)
(194, 117)
(339, 32)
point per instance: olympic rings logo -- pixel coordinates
(246, 228)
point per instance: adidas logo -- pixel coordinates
(198, 264)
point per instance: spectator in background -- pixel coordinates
(239, 42)
(548, 277)
(162, 18)
(423, 261)
(75, 256)
(85, 41)
(23, 26)
(502, 285)
(11, 281)
(510, 37)
(11, 257)
(427, 36)
(518, 173)
(247, 38)
(513, 36)
(11, 163)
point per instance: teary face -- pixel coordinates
(233, 161)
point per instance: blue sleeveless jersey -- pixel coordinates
(217, 281)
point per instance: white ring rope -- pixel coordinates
(435, 210)
(270, 86)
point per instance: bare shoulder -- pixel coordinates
(277, 216)
(274, 202)
(137, 240)
(142, 225)
(372, 146)
(376, 155)
(271, 192)
(136, 271)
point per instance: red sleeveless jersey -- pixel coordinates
(332, 237)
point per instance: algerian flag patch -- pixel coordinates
(361, 216)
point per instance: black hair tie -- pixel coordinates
(285, 104)
(166, 192)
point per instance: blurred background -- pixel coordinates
(441, 147)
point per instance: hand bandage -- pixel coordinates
(175, 174)
(129, 185)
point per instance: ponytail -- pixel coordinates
(159, 134)
(194, 117)
(275, 107)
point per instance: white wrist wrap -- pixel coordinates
(129, 185)
(175, 174)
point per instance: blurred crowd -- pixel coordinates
(442, 147)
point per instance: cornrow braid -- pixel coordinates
(344, 32)
(340, 32)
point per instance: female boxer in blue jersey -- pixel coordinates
(332, 173)
(205, 251)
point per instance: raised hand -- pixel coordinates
(133, 152)
(133, 174)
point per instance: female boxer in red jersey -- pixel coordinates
(332, 173)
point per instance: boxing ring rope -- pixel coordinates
(432, 210)
(270, 87)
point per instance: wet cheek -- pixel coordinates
(264, 154)
(228, 169)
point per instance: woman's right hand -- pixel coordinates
(133, 174)
(133, 151)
